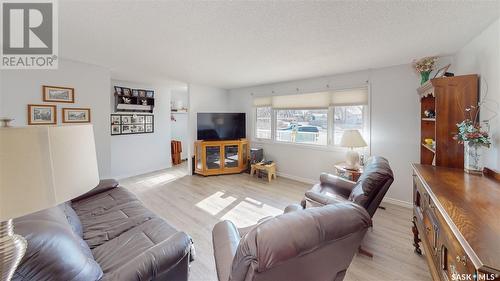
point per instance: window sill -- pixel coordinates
(329, 148)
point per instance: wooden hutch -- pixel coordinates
(447, 97)
(221, 157)
(454, 213)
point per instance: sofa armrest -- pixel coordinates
(225, 238)
(156, 261)
(341, 185)
(315, 199)
(104, 185)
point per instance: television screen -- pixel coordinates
(221, 126)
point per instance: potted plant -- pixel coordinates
(474, 138)
(424, 66)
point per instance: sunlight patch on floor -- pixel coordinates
(157, 180)
(247, 212)
(215, 203)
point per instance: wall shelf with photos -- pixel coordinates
(129, 124)
(134, 100)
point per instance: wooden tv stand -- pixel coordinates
(221, 157)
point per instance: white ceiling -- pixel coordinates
(237, 44)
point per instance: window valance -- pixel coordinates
(354, 96)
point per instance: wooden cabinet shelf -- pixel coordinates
(429, 148)
(221, 157)
(447, 97)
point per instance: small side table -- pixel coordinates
(270, 170)
(350, 174)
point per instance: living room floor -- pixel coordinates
(195, 204)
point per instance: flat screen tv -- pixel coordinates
(221, 126)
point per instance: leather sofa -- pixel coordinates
(105, 234)
(367, 192)
(313, 244)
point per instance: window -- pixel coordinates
(347, 118)
(317, 118)
(308, 126)
(263, 122)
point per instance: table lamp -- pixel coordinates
(40, 167)
(352, 139)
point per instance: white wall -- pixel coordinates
(394, 124)
(204, 99)
(22, 87)
(142, 153)
(482, 56)
(180, 125)
(179, 95)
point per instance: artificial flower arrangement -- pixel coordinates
(474, 137)
(424, 66)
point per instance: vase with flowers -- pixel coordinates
(475, 138)
(424, 66)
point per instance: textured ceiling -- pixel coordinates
(237, 44)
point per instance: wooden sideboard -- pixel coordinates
(456, 216)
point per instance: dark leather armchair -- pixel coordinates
(367, 192)
(314, 244)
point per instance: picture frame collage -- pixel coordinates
(129, 124)
(46, 114)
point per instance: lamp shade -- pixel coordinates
(352, 138)
(41, 167)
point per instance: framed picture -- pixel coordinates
(116, 129)
(41, 114)
(126, 129)
(118, 90)
(138, 119)
(126, 92)
(126, 119)
(150, 94)
(58, 94)
(116, 119)
(127, 124)
(76, 115)
(442, 71)
(135, 92)
(142, 93)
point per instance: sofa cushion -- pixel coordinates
(106, 215)
(142, 252)
(54, 249)
(103, 201)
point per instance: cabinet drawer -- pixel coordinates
(451, 258)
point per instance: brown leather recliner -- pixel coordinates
(313, 244)
(368, 191)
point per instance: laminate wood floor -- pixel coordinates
(195, 204)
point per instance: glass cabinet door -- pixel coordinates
(244, 153)
(212, 157)
(231, 158)
(199, 163)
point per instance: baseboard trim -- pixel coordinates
(296, 178)
(398, 202)
(141, 172)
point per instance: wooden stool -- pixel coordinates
(270, 169)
